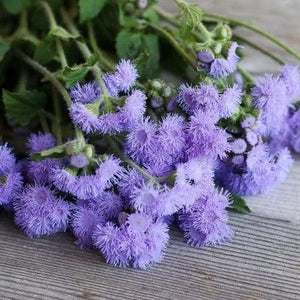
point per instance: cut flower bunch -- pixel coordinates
(97, 141)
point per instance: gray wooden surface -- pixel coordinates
(263, 262)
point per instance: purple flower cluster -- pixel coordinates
(219, 67)
(121, 200)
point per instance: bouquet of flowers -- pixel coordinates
(99, 138)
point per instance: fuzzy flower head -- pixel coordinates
(79, 160)
(7, 159)
(222, 67)
(290, 75)
(138, 223)
(269, 95)
(230, 101)
(238, 146)
(40, 142)
(125, 75)
(38, 212)
(11, 185)
(86, 93)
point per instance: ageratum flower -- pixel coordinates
(230, 101)
(7, 159)
(86, 93)
(290, 75)
(206, 223)
(222, 67)
(38, 212)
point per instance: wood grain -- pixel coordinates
(263, 261)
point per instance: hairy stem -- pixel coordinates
(216, 18)
(174, 43)
(45, 72)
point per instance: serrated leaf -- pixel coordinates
(89, 9)
(191, 14)
(63, 34)
(44, 52)
(239, 204)
(73, 75)
(4, 48)
(23, 107)
(13, 6)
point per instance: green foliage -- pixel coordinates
(22, 107)
(73, 75)
(89, 9)
(56, 152)
(239, 204)
(13, 6)
(132, 45)
(63, 34)
(4, 48)
(44, 52)
(191, 14)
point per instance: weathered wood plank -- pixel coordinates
(263, 262)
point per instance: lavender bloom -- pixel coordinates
(142, 4)
(172, 136)
(221, 67)
(270, 97)
(106, 207)
(130, 180)
(205, 58)
(230, 101)
(238, 146)
(205, 139)
(86, 93)
(111, 123)
(134, 108)
(114, 243)
(84, 223)
(205, 98)
(111, 85)
(125, 75)
(10, 187)
(7, 159)
(248, 122)
(141, 140)
(259, 174)
(206, 222)
(291, 77)
(63, 180)
(40, 142)
(40, 172)
(251, 137)
(293, 134)
(84, 118)
(38, 212)
(129, 244)
(79, 161)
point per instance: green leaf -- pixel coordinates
(44, 52)
(89, 9)
(73, 75)
(93, 59)
(54, 152)
(239, 204)
(128, 44)
(191, 14)
(13, 6)
(4, 48)
(23, 107)
(63, 34)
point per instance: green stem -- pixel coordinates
(50, 76)
(216, 18)
(86, 54)
(61, 53)
(260, 49)
(44, 123)
(245, 74)
(49, 14)
(174, 43)
(107, 63)
(57, 120)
